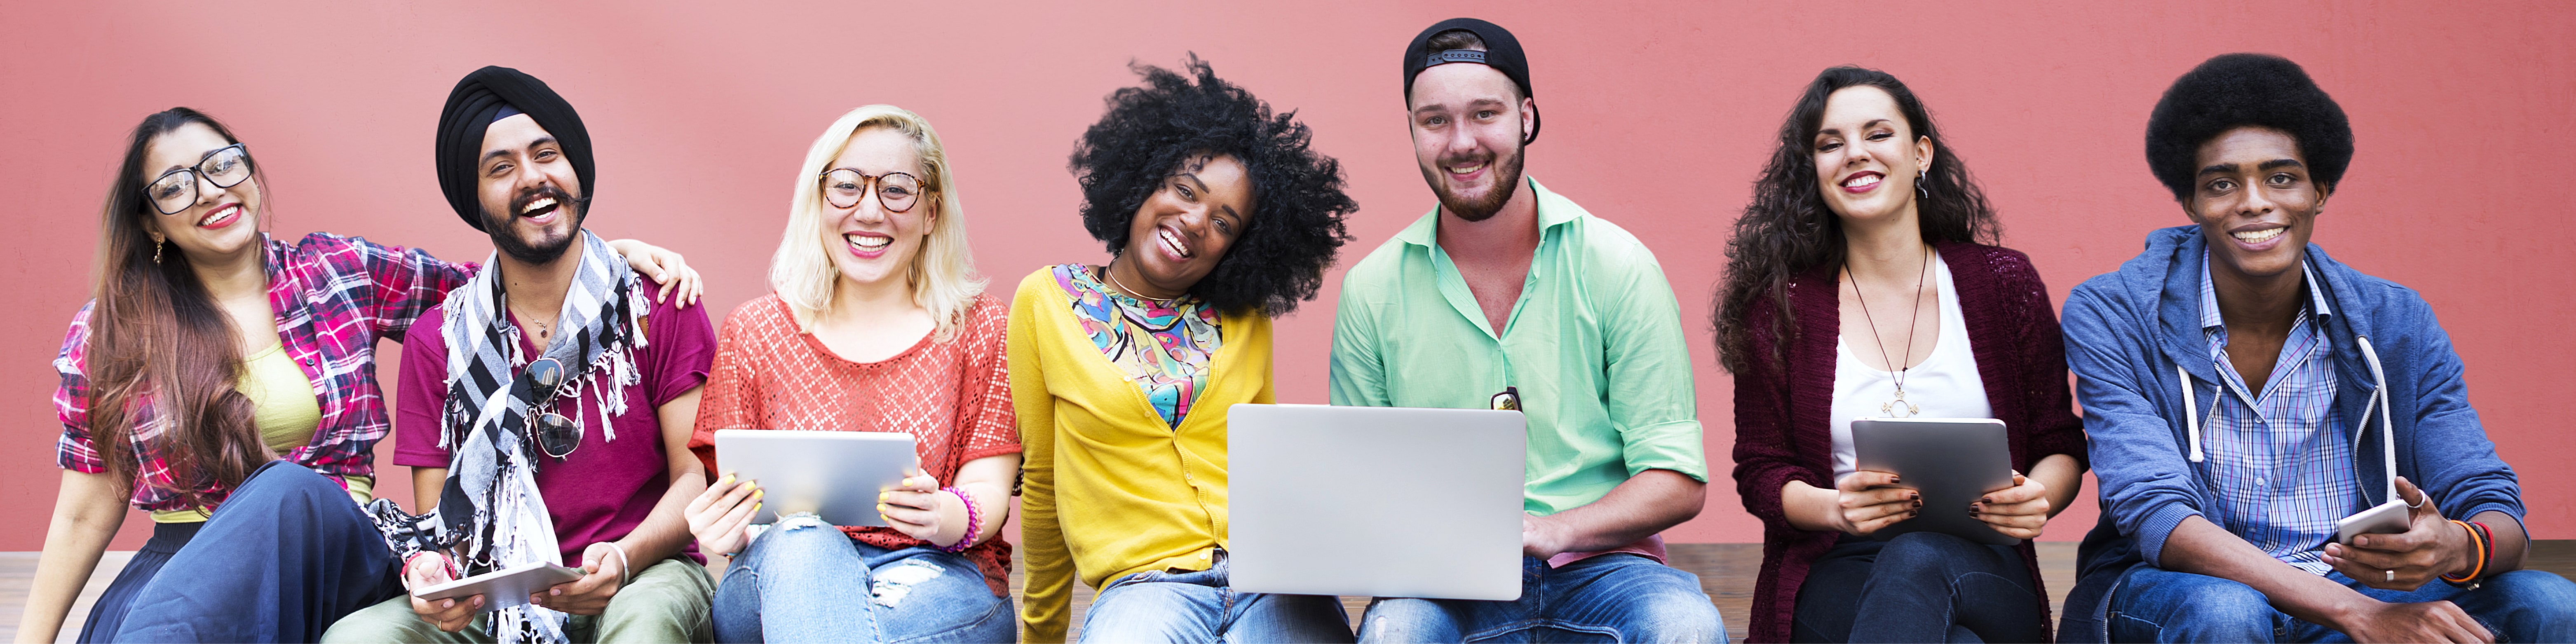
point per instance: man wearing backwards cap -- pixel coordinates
(1572, 323)
(546, 406)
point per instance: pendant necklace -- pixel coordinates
(1889, 408)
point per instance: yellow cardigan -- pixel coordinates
(1107, 488)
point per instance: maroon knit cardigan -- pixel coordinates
(1782, 412)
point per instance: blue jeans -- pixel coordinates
(1200, 606)
(1609, 598)
(802, 581)
(283, 557)
(1918, 587)
(2157, 605)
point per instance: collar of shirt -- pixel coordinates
(1553, 210)
(2210, 319)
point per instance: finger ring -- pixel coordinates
(2392, 575)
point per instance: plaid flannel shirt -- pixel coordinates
(334, 297)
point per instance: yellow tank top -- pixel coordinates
(285, 410)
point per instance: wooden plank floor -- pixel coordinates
(1726, 571)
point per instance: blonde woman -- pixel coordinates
(878, 323)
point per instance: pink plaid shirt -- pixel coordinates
(334, 298)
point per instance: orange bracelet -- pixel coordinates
(2478, 542)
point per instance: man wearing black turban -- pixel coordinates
(514, 392)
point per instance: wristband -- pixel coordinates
(2480, 545)
(974, 520)
(625, 564)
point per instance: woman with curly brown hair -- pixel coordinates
(1219, 216)
(1862, 282)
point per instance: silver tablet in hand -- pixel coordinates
(833, 474)
(505, 587)
(1952, 461)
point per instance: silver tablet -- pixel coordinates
(833, 474)
(1378, 501)
(505, 587)
(1952, 461)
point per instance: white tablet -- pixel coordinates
(505, 587)
(1952, 461)
(833, 474)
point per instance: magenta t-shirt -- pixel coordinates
(604, 489)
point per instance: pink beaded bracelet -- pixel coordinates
(974, 520)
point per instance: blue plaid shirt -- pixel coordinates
(2278, 466)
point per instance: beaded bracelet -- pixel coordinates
(974, 520)
(2485, 546)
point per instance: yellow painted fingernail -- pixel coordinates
(755, 496)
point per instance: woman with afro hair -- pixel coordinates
(1218, 216)
(2244, 394)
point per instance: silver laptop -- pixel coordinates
(836, 475)
(1376, 501)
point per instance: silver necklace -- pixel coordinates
(1915, 315)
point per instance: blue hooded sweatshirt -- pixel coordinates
(2128, 331)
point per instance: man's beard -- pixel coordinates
(1507, 175)
(505, 236)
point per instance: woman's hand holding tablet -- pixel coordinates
(1870, 500)
(721, 516)
(2020, 511)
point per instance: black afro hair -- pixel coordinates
(2241, 90)
(1298, 204)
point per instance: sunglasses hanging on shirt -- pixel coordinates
(554, 433)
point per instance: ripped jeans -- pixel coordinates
(802, 581)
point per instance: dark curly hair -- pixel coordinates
(1298, 205)
(2239, 90)
(1788, 230)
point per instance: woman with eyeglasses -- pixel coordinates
(1218, 216)
(1863, 282)
(225, 382)
(878, 323)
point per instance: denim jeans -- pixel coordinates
(2157, 605)
(803, 581)
(1608, 598)
(1200, 606)
(1918, 587)
(281, 559)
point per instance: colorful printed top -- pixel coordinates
(334, 297)
(1164, 347)
(953, 396)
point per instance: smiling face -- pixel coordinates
(1469, 122)
(869, 244)
(2255, 201)
(531, 197)
(223, 221)
(1185, 227)
(1867, 156)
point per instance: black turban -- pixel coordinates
(477, 101)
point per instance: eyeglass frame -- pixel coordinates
(865, 181)
(200, 174)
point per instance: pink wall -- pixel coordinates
(1658, 116)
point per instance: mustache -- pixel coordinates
(520, 204)
(1477, 158)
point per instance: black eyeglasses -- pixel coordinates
(173, 191)
(844, 188)
(555, 434)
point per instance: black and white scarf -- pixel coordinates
(490, 511)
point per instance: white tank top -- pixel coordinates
(1945, 385)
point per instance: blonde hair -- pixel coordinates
(942, 275)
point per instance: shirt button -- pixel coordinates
(2262, 482)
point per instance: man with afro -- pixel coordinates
(1511, 296)
(2244, 394)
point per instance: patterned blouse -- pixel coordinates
(1164, 347)
(954, 397)
(334, 297)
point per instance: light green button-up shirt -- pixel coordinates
(1595, 346)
